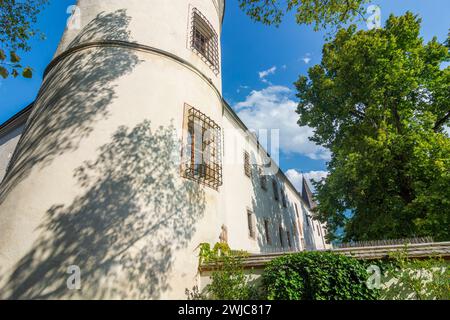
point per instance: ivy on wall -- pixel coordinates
(317, 276)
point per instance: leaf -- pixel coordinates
(27, 73)
(15, 73)
(3, 72)
(2, 55)
(14, 57)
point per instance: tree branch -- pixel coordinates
(441, 121)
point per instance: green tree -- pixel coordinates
(320, 13)
(17, 18)
(379, 101)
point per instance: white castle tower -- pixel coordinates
(125, 165)
(92, 186)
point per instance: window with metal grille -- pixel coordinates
(280, 231)
(251, 224)
(275, 189)
(204, 40)
(262, 179)
(267, 232)
(247, 167)
(202, 157)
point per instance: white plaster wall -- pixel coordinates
(240, 193)
(7, 145)
(157, 23)
(128, 242)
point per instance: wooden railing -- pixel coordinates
(414, 250)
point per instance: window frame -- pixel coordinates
(283, 197)
(262, 179)
(280, 231)
(267, 231)
(207, 171)
(247, 165)
(289, 240)
(275, 190)
(251, 221)
(210, 54)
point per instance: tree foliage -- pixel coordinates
(17, 18)
(229, 280)
(417, 279)
(380, 101)
(317, 276)
(320, 13)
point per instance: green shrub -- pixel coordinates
(417, 279)
(229, 281)
(316, 276)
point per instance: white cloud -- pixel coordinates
(242, 87)
(316, 175)
(272, 108)
(296, 177)
(307, 58)
(264, 74)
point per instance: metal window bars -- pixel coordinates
(251, 224)
(283, 198)
(247, 167)
(202, 161)
(262, 179)
(275, 189)
(204, 40)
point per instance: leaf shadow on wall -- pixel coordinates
(75, 95)
(265, 207)
(123, 232)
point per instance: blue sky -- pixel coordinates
(259, 65)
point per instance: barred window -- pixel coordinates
(247, 167)
(202, 157)
(275, 189)
(262, 179)
(204, 40)
(266, 230)
(251, 224)
(280, 231)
